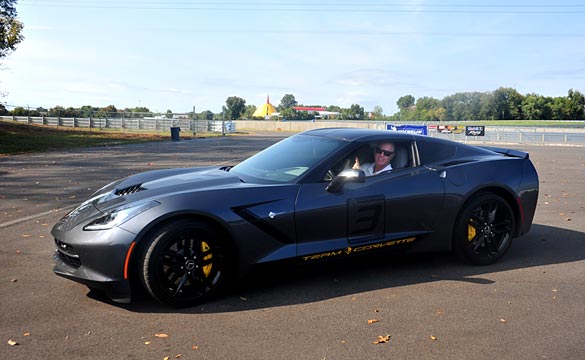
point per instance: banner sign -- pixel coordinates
(475, 131)
(411, 129)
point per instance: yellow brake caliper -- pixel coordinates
(470, 232)
(207, 268)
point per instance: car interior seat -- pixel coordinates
(400, 159)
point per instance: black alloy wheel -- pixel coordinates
(484, 230)
(184, 263)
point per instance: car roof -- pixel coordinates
(356, 134)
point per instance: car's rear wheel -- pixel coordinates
(184, 263)
(484, 229)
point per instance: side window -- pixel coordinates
(364, 153)
(432, 152)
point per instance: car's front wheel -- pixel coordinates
(183, 263)
(484, 229)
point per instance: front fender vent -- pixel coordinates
(129, 190)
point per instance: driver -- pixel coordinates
(383, 154)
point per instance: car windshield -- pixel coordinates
(286, 160)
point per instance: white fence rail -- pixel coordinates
(150, 124)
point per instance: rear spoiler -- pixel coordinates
(507, 152)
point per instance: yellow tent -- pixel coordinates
(265, 110)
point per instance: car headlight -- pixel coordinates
(119, 216)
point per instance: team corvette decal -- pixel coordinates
(349, 250)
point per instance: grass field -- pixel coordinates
(16, 138)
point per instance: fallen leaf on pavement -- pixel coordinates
(373, 321)
(382, 339)
(26, 334)
(147, 342)
(161, 335)
(433, 337)
(194, 347)
(12, 342)
(503, 321)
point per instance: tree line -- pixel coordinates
(501, 104)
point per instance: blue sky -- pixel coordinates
(178, 54)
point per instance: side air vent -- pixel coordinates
(129, 190)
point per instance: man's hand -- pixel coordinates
(356, 165)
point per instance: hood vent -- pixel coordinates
(129, 190)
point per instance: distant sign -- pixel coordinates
(411, 129)
(474, 130)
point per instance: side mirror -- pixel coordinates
(346, 176)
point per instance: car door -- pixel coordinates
(398, 204)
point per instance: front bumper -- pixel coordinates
(95, 259)
(119, 291)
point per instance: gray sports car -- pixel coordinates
(183, 233)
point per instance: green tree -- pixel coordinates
(533, 107)
(557, 108)
(405, 102)
(575, 107)
(19, 111)
(10, 27)
(206, 115)
(292, 114)
(508, 104)
(377, 113)
(169, 114)
(249, 111)
(234, 107)
(3, 110)
(57, 111)
(87, 111)
(425, 108)
(354, 112)
(287, 102)
(439, 114)
(288, 114)
(334, 108)
(137, 112)
(109, 111)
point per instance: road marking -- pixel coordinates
(17, 221)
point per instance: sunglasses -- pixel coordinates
(385, 152)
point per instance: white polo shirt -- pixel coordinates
(368, 168)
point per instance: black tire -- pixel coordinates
(184, 263)
(484, 229)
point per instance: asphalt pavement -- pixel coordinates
(528, 306)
